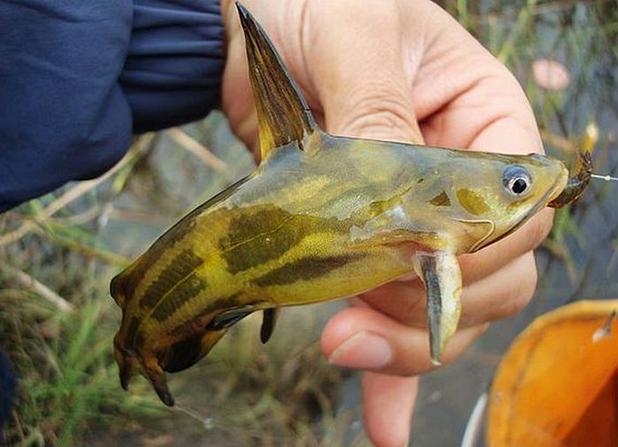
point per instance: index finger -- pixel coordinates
(467, 99)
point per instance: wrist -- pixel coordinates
(229, 17)
(227, 10)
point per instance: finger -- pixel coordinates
(236, 96)
(494, 257)
(498, 295)
(466, 98)
(363, 338)
(363, 86)
(474, 119)
(475, 266)
(388, 402)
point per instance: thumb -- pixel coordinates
(361, 71)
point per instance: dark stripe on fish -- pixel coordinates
(183, 292)
(254, 239)
(305, 269)
(267, 234)
(172, 236)
(250, 222)
(139, 340)
(177, 270)
(154, 253)
(133, 327)
(133, 334)
(261, 249)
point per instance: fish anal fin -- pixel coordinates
(441, 275)
(187, 352)
(269, 321)
(283, 114)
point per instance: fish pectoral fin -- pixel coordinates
(441, 275)
(269, 320)
(283, 114)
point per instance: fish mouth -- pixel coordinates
(557, 188)
(551, 194)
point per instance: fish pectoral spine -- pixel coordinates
(441, 275)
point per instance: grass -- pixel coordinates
(59, 252)
(57, 320)
(71, 379)
(57, 328)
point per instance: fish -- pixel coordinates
(322, 217)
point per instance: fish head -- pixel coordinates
(506, 191)
(478, 198)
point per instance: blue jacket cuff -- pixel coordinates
(7, 387)
(78, 78)
(173, 71)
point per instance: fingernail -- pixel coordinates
(364, 350)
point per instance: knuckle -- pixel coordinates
(528, 285)
(525, 285)
(378, 123)
(371, 12)
(539, 227)
(380, 110)
(513, 106)
(499, 76)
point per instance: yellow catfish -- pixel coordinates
(322, 217)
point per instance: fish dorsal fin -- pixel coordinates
(283, 114)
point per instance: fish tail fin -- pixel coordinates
(127, 364)
(158, 380)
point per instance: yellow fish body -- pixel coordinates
(322, 217)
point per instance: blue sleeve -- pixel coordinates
(77, 78)
(7, 387)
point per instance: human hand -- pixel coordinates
(399, 70)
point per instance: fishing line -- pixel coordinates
(207, 422)
(607, 178)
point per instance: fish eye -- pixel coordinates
(516, 180)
